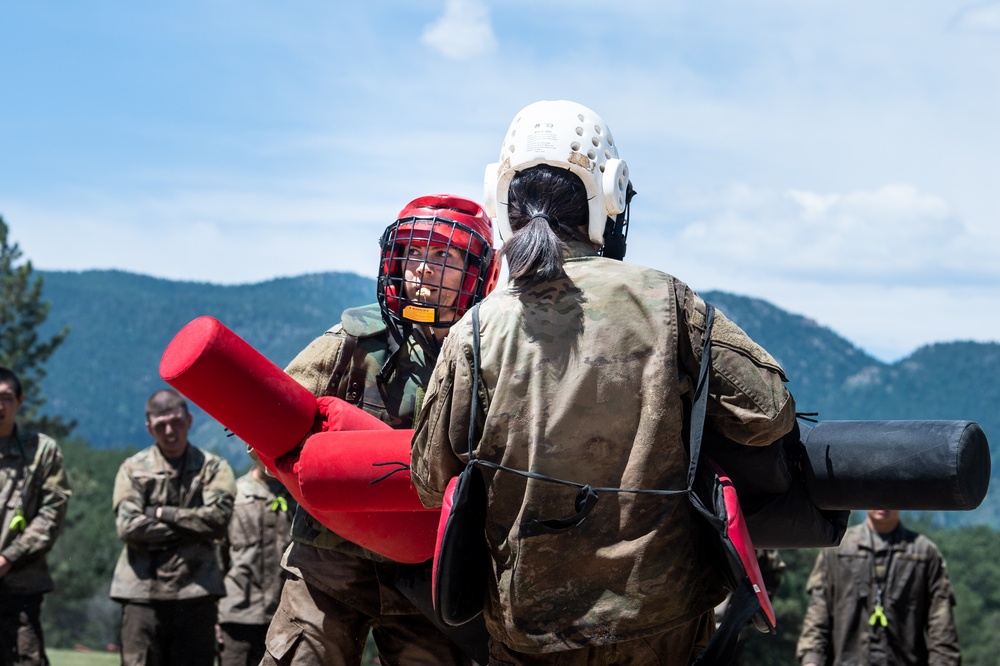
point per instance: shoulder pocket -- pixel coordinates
(727, 334)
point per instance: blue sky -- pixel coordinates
(840, 159)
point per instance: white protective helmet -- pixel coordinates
(567, 135)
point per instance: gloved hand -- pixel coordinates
(336, 415)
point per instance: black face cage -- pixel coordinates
(447, 273)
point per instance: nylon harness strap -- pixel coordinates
(588, 496)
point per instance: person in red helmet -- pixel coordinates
(437, 260)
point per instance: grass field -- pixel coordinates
(74, 658)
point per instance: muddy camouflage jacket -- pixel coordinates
(586, 379)
(917, 602)
(345, 363)
(259, 532)
(34, 491)
(172, 558)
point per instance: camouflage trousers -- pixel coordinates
(163, 633)
(326, 621)
(21, 642)
(676, 647)
(242, 644)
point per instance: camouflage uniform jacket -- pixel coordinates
(345, 362)
(917, 601)
(259, 532)
(586, 378)
(33, 484)
(173, 558)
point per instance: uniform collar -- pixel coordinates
(176, 463)
(576, 249)
(881, 541)
(258, 488)
(11, 446)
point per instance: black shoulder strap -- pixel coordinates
(344, 356)
(700, 405)
(474, 402)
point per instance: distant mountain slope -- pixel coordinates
(121, 323)
(816, 360)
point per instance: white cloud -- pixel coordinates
(894, 234)
(984, 18)
(463, 32)
(227, 237)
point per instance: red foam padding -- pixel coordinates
(403, 536)
(740, 537)
(340, 471)
(449, 496)
(238, 387)
(337, 414)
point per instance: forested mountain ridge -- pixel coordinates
(121, 323)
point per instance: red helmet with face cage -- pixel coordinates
(465, 232)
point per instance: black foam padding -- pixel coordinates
(906, 465)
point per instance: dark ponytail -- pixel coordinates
(547, 207)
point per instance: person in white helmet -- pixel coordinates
(437, 260)
(587, 367)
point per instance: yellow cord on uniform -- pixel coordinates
(18, 523)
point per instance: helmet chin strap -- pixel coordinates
(616, 230)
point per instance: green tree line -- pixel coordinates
(22, 349)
